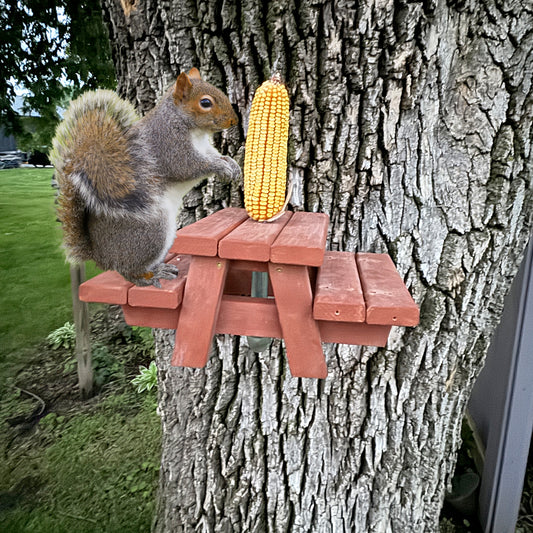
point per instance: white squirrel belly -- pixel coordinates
(177, 191)
(201, 141)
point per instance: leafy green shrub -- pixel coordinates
(105, 365)
(142, 338)
(147, 378)
(63, 337)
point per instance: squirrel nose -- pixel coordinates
(233, 121)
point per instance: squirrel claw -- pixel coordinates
(165, 271)
(161, 271)
(233, 171)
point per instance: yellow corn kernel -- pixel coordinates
(265, 159)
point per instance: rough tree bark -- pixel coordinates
(411, 126)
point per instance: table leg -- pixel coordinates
(294, 301)
(199, 311)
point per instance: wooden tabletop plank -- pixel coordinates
(108, 287)
(170, 295)
(302, 241)
(387, 299)
(251, 241)
(201, 238)
(338, 292)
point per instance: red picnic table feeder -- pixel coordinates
(314, 296)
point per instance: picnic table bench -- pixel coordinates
(314, 295)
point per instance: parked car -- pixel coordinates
(10, 159)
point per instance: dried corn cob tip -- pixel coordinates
(265, 160)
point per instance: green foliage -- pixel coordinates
(146, 380)
(63, 337)
(54, 49)
(90, 472)
(143, 339)
(51, 422)
(106, 366)
(86, 466)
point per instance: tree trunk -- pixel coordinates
(411, 126)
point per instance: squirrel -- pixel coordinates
(120, 176)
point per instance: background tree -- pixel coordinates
(411, 127)
(53, 50)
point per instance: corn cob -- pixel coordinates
(265, 160)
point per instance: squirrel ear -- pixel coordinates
(194, 73)
(182, 88)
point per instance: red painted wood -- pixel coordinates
(338, 292)
(259, 317)
(241, 315)
(199, 310)
(294, 300)
(302, 241)
(170, 295)
(296, 243)
(249, 266)
(238, 282)
(251, 241)
(354, 333)
(201, 238)
(387, 299)
(150, 317)
(108, 287)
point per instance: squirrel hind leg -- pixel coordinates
(153, 277)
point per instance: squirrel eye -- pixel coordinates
(206, 103)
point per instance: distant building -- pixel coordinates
(7, 142)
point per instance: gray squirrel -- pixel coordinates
(119, 176)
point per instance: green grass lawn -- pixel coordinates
(35, 278)
(79, 466)
(92, 472)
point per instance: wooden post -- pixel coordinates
(80, 312)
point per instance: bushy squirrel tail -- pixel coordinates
(93, 163)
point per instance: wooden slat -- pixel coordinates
(240, 315)
(201, 238)
(387, 299)
(150, 317)
(338, 292)
(259, 317)
(251, 241)
(108, 287)
(294, 300)
(358, 333)
(302, 241)
(249, 266)
(170, 295)
(199, 311)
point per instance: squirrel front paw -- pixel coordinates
(161, 271)
(231, 169)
